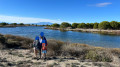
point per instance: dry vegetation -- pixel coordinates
(62, 49)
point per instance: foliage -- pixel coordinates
(3, 23)
(114, 24)
(74, 25)
(21, 24)
(95, 25)
(55, 25)
(104, 25)
(65, 24)
(13, 23)
(82, 25)
(90, 25)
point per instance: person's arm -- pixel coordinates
(46, 41)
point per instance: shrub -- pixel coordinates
(55, 25)
(13, 23)
(82, 25)
(65, 24)
(95, 55)
(114, 24)
(95, 25)
(74, 25)
(3, 23)
(21, 24)
(104, 25)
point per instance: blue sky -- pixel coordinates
(57, 11)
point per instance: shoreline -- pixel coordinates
(109, 32)
(58, 51)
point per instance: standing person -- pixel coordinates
(44, 49)
(42, 40)
(35, 46)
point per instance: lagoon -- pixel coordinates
(94, 39)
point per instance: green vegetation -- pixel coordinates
(21, 24)
(65, 25)
(113, 25)
(74, 25)
(3, 23)
(104, 25)
(82, 25)
(55, 25)
(95, 25)
(13, 23)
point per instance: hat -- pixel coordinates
(41, 34)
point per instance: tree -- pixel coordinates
(95, 25)
(82, 25)
(65, 24)
(119, 25)
(89, 25)
(55, 25)
(114, 24)
(21, 24)
(74, 25)
(3, 23)
(13, 23)
(104, 25)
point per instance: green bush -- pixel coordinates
(104, 25)
(74, 25)
(90, 25)
(55, 25)
(65, 24)
(95, 25)
(13, 23)
(21, 24)
(82, 25)
(114, 24)
(3, 23)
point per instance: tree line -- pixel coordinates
(102, 25)
(4, 23)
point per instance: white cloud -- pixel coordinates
(101, 4)
(14, 19)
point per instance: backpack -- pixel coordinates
(36, 43)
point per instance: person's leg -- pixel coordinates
(35, 52)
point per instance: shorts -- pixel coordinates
(44, 51)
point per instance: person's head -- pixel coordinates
(41, 35)
(37, 38)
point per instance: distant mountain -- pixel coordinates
(43, 23)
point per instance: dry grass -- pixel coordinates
(59, 48)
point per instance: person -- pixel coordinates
(43, 41)
(36, 43)
(44, 49)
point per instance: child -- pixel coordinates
(35, 46)
(44, 49)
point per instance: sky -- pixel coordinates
(57, 11)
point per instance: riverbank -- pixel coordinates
(17, 51)
(18, 25)
(110, 32)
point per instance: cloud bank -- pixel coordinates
(14, 19)
(101, 4)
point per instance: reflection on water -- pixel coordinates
(71, 36)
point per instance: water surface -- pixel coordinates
(70, 36)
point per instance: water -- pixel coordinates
(70, 36)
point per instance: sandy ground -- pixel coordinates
(24, 58)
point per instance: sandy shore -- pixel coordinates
(114, 32)
(23, 58)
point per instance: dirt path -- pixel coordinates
(23, 58)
